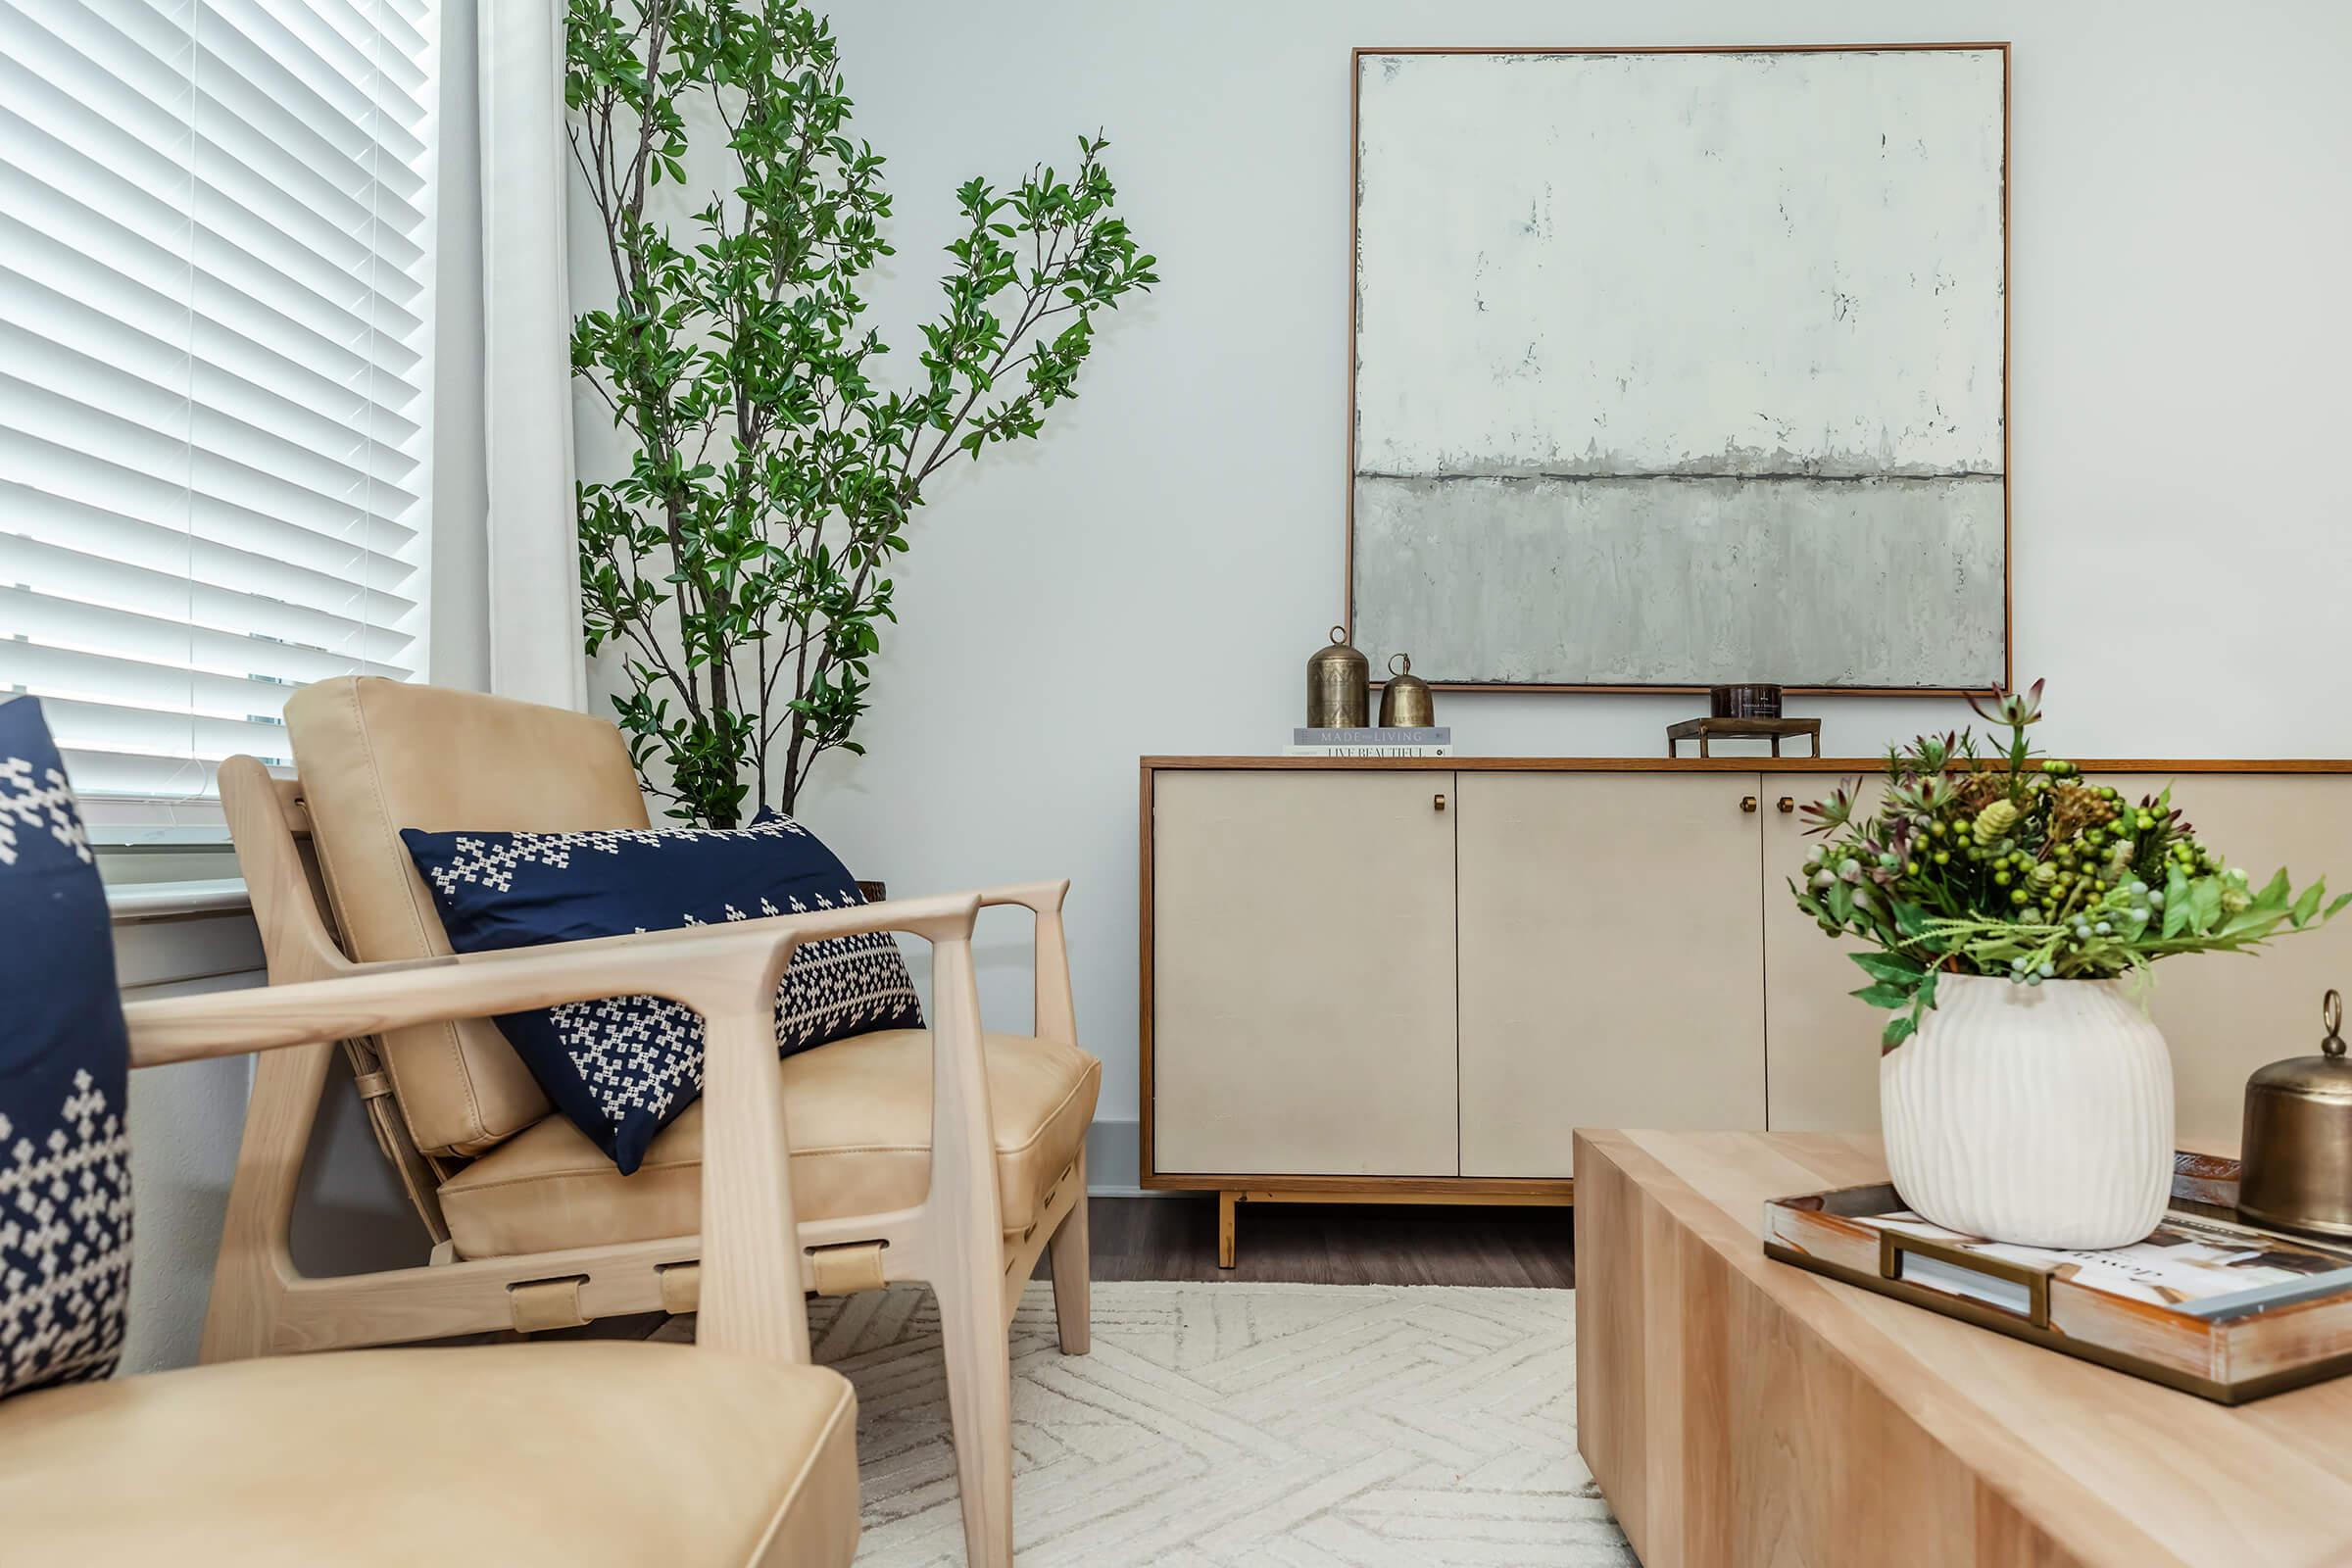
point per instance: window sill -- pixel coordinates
(144, 902)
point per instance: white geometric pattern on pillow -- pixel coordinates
(64, 1243)
(845, 980)
(48, 803)
(634, 1053)
(493, 866)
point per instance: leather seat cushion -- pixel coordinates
(858, 1113)
(584, 1453)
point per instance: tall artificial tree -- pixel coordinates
(740, 567)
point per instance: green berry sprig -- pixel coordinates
(2019, 867)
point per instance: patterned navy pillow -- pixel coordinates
(65, 1065)
(623, 1068)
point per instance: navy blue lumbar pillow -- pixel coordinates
(624, 1068)
(64, 1066)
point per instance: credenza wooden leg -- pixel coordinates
(1226, 1203)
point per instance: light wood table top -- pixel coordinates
(1741, 1411)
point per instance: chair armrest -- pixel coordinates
(707, 968)
(1056, 1010)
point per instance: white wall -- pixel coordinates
(1151, 577)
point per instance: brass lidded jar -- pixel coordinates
(1339, 686)
(2295, 1170)
(1406, 702)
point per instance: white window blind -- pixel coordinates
(216, 315)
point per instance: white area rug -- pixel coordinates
(1303, 1426)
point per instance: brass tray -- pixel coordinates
(2212, 1304)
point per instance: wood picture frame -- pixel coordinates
(1352, 616)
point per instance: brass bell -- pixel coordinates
(1338, 685)
(1406, 702)
(2295, 1157)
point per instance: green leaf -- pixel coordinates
(1889, 966)
(1883, 995)
(1897, 1031)
(2205, 904)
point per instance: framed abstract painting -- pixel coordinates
(1682, 367)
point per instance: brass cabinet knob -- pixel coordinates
(1787, 804)
(1436, 803)
(1748, 802)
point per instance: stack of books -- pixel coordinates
(1436, 740)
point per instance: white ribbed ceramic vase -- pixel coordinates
(2035, 1114)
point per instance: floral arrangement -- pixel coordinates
(2019, 869)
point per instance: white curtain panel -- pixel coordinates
(536, 644)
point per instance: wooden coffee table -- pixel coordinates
(1743, 1412)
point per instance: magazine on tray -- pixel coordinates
(2190, 1265)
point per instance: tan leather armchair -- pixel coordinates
(730, 1451)
(943, 1155)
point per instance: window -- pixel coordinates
(216, 316)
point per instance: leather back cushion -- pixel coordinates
(378, 756)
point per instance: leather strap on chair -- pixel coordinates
(419, 1177)
(541, 1304)
(681, 1287)
(1045, 1205)
(847, 1269)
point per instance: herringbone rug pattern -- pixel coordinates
(1302, 1426)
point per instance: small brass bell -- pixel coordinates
(1406, 702)
(2298, 1149)
(1338, 685)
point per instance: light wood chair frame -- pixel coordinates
(953, 1240)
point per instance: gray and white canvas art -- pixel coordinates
(1682, 368)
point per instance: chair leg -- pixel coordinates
(255, 1267)
(1071, 1256)
(974, 1331)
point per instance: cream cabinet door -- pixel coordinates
(2225, 1015)
(1611, 961)
(1821, 1046)
(1303, 973)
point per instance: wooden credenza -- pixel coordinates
(1411, 980)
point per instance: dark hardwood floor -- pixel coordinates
(1175, 1237)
